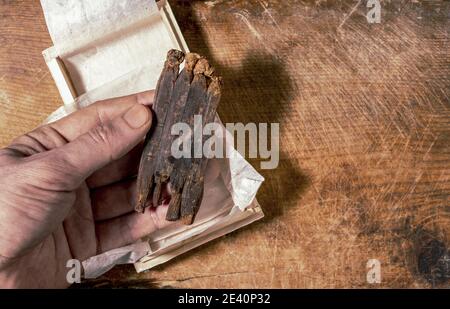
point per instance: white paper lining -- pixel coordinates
(99, 41)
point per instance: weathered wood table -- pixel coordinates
(364, 114)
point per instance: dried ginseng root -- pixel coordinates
(165, 161)
(193, 189)
(195, 91)
(187, 175)
(150, 154)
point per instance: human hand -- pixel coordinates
(67, 192)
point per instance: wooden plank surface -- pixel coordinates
(364, 115)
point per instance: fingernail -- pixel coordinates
(137, 116)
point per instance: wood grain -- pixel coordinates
(365, 132)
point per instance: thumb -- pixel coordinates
(104, 143)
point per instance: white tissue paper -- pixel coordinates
(116, 48)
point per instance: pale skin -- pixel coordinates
(67, 191)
